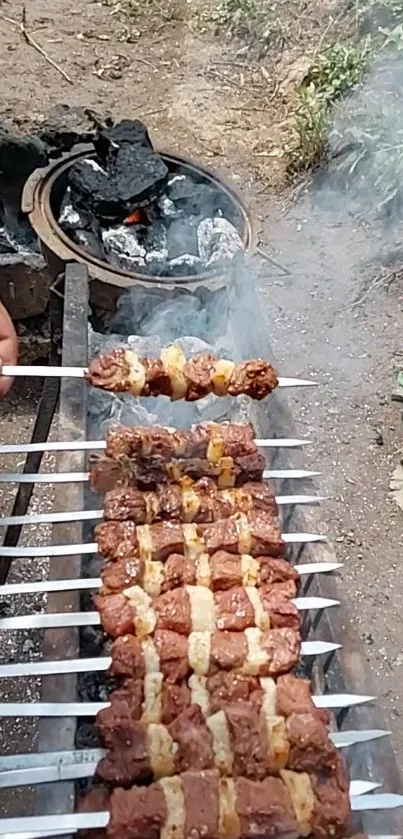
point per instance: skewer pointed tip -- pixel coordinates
(285, 381)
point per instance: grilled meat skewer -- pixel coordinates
(122, 371)
(256, 534)
(198, 804)
(189, 501)
(236, 740)
(271, 653)
(149, 473)
(196, 609)
(152, 699)
(211, 441)
(220, 572)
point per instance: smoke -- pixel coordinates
(222, 320)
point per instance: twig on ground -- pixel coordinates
(380, 280)
(270, 259)
(32, 43)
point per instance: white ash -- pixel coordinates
(167, 207)
(122, 242)
(94, 165)
(176, 178)
(218, 240)
(69, 216)
(186, 259)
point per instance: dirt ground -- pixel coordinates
(206, 97)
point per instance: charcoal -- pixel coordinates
(140, 176)
(89, 240)
(182, 236)
(123, 240)
(19, 156)
(167, 207)
(70, 218)
(128, 131)
(6, 244)
(218, 241)
(194, 197)
(185, 264)
(137, 178)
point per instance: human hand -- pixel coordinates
(8, 348)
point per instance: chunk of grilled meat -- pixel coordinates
(152, 699)
(196, 609)
(253, 653)
(122, 371)
(237, 740)
(255, 534)
(201, 803)
(107, 473)
(188, 501)
(210, 440)
(220, 572)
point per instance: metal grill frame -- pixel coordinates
(345, 670)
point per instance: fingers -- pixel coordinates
(8, 348)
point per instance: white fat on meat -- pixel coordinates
(220, 376)
(229, 826)
(174, 827)
(145, 619)
(244, 536)
(250, 570)
(227, 473)
(215, 448)
(198, 693)
(152, 702)
(161, 750)
(223, 754)
(302, 798)
(202, 609)
(144, 539)
(151, 658)
(173, 361)
(193, 543)
(137, 373)
(199, 649)
(153, 577)
(256, 657)
(190, 503)
(262, 618)
(203, 570)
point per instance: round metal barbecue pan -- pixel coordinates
(41, 201)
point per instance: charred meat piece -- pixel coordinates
(108, 473)
(220, 572)
(195, 609)
(121, 370)
(191, 501)
(253, 534)
(283, 807)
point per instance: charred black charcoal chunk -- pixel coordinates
(65, 126)
(89, 240)
(86, 735)
(128, 131)
(140, 176)
(137, 178)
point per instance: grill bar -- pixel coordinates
(96, 515)
(83, 477)
(89, 709)
(100, 445)
(56, 621)
(96, 582)
(79, 373)
(92, 665)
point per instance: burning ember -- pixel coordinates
(125, 206)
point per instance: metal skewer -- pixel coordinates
(97, 515)
(45, 586)
(82, 477)
(79, 373)
(92, 547)
(102, 663)
(91, 709)
(100, 445)
(71, 822)
(48, 767)
(57, 620)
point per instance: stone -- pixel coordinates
(24, 284)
